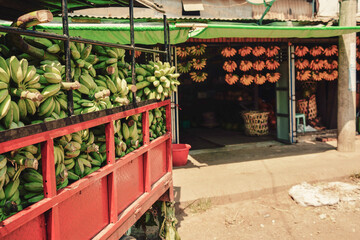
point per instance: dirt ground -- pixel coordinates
(272, 216)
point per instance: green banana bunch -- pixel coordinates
(157, 123)
(14, 170)
(81, 154)
(155, 80)
(19, 84)
(54, 105)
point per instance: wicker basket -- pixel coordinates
(307, 107)
(312, 107)
(256, 123)
(302, 106)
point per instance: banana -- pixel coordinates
(36, 198)
(4, 76)
(3, 94)
(55, 48)
(73, 176)
(47, 106)
(111, 86)
(125, 131)
(83, 89)
(3, 85)
(51, 90)
(30, 107)
(52, 77)
(11, 188)
(8, 119)
(34, 186)
(31, 175)
(4, 66)
(15, 69)
(16, 112)
(57, 108)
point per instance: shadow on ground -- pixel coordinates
(226, 155)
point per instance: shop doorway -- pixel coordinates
(222, 83)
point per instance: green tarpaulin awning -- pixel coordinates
(274, 30)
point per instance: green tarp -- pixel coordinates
(275, 30)
(148, 33)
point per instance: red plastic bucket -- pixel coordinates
(180, 154)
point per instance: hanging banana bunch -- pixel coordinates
(228, 52)
(259, 79)
(273, 77)
(301, 51)
(198, 50)
(231, 78)
(244, 51)
(246, 79)
(184, 67)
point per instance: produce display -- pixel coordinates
(316, 63)
(36, 93)
(190, 58)
(257, 64)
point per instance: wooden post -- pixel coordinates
(347, 79)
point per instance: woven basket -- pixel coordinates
(302, 106)
(256, 123)
(312, 107)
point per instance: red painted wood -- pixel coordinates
(145, 127)
(157, 159)
(49, 182)
(32, 230)
(86, 213)
(145, 200)
(16, 221)
(168, 142)
(42, 137)
(130, 182)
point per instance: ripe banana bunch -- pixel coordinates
(231, 78)
(259, 79)
(18, 91)
(302, 63)
(157, 120)
(272, 51)
(259, 65)
(272, 64)
(316, 64)
(245, 65)
(228, 52)
(326, 65)
(199, 64)
(258, 51)
(330, 76)
(230, 66)
(316, 51)
(331, 51)
(244, 51)
(246, 79)
(301, 51)
(317, 76)
(273, 77)
(303, 75)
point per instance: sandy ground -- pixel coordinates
(270, 216)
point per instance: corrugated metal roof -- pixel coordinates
(286, 10)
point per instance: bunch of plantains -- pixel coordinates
(157, 122)
(20, 180)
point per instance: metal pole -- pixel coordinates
(347, 79)
(65, 23)
(166, 46)
(132, 39)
